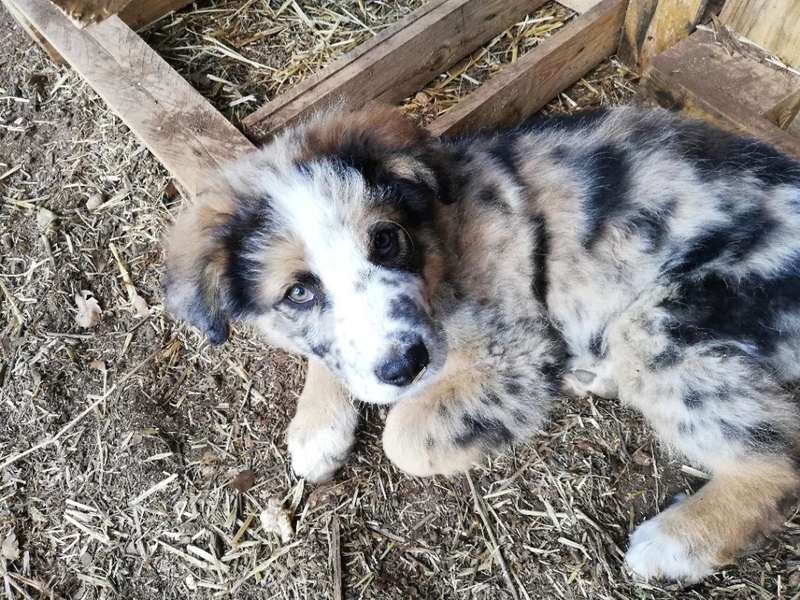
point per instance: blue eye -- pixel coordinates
(299, 294)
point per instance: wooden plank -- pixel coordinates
(140, 13)
(540, 75)
(652, 26)
(772, 24)
(86, 12)
(136, 13)
(396, 62)
(579, 6)
(34, 34)
(185, 133)
(735, 92)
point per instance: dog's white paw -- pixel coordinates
(318, 448)
(595, 379)
(656, 554)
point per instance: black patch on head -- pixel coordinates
(540, 245)
(718, 154)
(608, 172)
(251, 221)
(486, 430)
(404, 309)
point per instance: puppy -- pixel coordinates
(628, 253)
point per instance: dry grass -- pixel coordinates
(141, 486)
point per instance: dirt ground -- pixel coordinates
(137, 496)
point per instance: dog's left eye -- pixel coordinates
(385, 243)
(299, 294)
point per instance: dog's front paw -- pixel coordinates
(656, 553)
(421, 441)
(319, 446)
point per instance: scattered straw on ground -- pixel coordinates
(156, 454)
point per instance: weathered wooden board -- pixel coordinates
(187, 135)
(136, 13)
(652, 26)
(86, 12)
(579, 6)
(738, 93)
(541, 74)
(34, 33)
(140, 13)
(772, 24)
(397, 62)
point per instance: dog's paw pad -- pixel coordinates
(655, 554)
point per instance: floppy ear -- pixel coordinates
(386, 147)
(195, 263)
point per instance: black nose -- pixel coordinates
(404, 365)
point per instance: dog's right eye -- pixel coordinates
(299, 294)
(385, 243)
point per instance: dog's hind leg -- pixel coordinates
(322, 432)
(711, 400)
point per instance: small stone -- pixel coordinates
(95, 201)
(641, 458)
(45, 218)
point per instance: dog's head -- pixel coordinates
(325, 241)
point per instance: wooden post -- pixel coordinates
(652, 26)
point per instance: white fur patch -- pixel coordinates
(319, 448)
(654, 554)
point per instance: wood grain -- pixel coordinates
(579, 6)
(397, 62)
(86, 12)
(772, 24)
(735, 92)
(540, 75)
(140, 13)
(185, 133)
(652, 26)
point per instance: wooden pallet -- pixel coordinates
(191, 138)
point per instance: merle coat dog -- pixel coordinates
(629, 253)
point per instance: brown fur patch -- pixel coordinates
(283, 259)
(734, 509)
(382, 126)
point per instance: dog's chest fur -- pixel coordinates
(587, 215)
